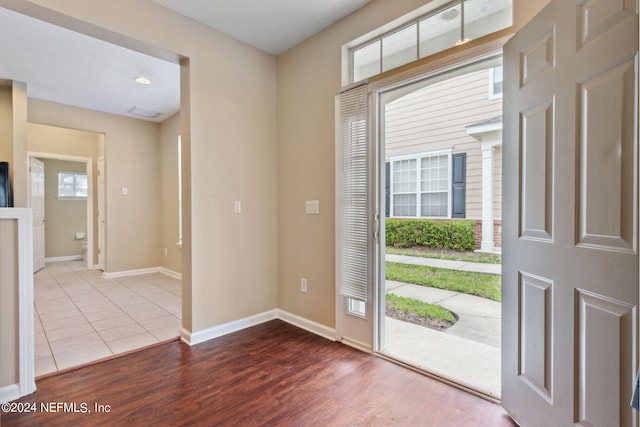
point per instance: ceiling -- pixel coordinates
(273, 26)
(63, 66)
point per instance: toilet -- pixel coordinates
(83, 246)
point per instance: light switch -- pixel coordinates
(313, 207)
(237, 206)
(125, 191)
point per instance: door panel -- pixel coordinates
(570, 260)
(36, 203)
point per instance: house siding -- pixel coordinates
(436, 117)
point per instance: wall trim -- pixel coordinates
(170, 273)
(126, 273)
(358, 345)
(64, 258)
(9, 393)
(141, 271)
(193, 338)
(307, 325)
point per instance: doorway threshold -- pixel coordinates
(460, 361)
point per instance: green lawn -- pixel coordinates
(410, 305)
(448, 255)
(483, 285)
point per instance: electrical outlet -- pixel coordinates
(166, 251)
(303, 285)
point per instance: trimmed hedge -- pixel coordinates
(434, 234)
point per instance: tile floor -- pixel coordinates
(81, 317)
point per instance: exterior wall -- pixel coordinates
(436, 117)
(497, 233)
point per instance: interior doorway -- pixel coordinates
(70, 243)
(439, 285)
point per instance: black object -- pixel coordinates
(6, 200)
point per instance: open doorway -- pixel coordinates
(66, 223)
(81, 314)
(440, 286)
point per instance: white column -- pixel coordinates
(487, 198)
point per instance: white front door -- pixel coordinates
(36, 202)
(570, 219)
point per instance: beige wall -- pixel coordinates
(8, 302)
(6, 125)
(64, 141)
(232, 105)
(59, 141)
(309, 77)
(20, 163)
(64, 217)
(169, 133)
(132, 161)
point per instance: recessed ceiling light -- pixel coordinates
(142, 80)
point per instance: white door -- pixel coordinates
(570, 235)
(36, 202)
(101, 213)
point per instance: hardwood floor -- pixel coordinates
(272, 374)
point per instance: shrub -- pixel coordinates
(434, 234)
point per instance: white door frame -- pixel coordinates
(102, 213)
(89, 163)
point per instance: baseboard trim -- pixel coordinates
(171, 273)
(198, 337)
(142, 271)
(193, 338)
(307, 325)
(126, 273)
(64, 258)
(9, 393)
(357, 345)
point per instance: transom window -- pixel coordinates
(72, 185)
(449, 25)
(420, 186)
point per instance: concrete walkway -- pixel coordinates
(469, 351)
(476, 267)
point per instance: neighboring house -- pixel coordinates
(444, 150)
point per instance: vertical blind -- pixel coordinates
(353, 215)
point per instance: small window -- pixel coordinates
(495, 82)
(72, 185)
(357, 307)
(420, 186)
